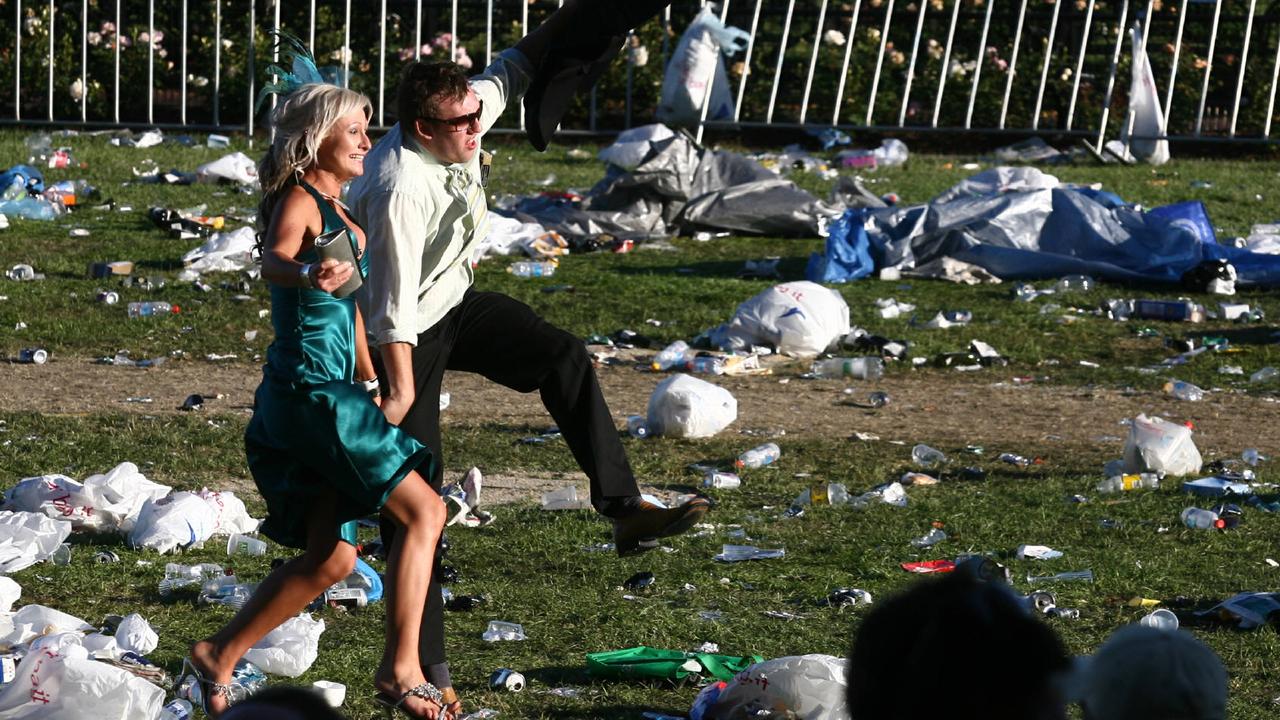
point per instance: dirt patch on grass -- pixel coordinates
(937, 407)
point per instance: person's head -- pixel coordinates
(958, 648)
(284, 702)
(1154, 674)
(317, 126)
(436, 105)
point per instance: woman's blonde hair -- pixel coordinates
(302, 120)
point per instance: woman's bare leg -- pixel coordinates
(283, 594)
(420, 513)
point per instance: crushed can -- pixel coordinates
(108, 297)
(347, 597)
(718, 479)
(506, 679)
(33, 356)
(106, 557)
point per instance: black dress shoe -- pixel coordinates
(639, 529)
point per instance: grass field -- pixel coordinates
(532, 565)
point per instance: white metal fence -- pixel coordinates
(1050, 67)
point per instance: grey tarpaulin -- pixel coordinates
(679, 184)
(1020, 223)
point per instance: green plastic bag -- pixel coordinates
(654, 663)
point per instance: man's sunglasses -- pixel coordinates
(462, 122)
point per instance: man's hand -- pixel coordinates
(395, 409)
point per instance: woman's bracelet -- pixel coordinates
(371, 386)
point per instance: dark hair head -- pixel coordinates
(424, 85)
(957, 647)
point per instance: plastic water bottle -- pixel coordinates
(671, 356)
(927, 457)
(1184, 390)
(705, 365)
(151, 308)
(178, 709)
(1121, 483)
(1200, 519)
(861, 368)
(758, 456)
(532, 268)
(177, 575)
(1263, 375)
(929, 539)
(638, 426)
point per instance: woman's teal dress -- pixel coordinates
(313, 427)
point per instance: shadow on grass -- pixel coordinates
(789, 269)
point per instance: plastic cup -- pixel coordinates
(332, 692)
(1161, 620)
(245, 545)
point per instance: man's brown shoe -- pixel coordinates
(639, 530)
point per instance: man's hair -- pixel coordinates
(424, 86)
(959, 648)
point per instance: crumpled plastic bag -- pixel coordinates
(1144, 102)
(632, 146)
(178, 520)
(31, 621)
(696, 63)
(236, 167)
(229, 510)
(105, 502)
(289, 649)
(806, 687)
(58, 680)
(798, 318)
(134, 634)
(26, 538)
(684, 406)
(223, 252)
(10, 592)
(1157, 445)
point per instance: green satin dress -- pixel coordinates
(313, 427)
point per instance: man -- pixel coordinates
(421, 202)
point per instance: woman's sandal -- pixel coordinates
(207, 688)
(426, 691)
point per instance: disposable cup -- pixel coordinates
(1161, 620)
(245, 545)
(332, 692)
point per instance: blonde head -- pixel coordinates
(302, 120)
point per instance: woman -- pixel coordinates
(320, 450)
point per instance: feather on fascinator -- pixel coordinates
(298, 58)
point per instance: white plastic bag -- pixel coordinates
(26, 538)
(223, 252)
(632, 146)
(799, 318)
(684, 406)
(236, 167)
(106, 502)
(32, 621)
(806, 687)
(10, 591)
(289, 649)
(1156, 445)
(58, 680)
(134, 634)
(180, 519)
(229, 512)
(1144, 105)
(695, 63)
